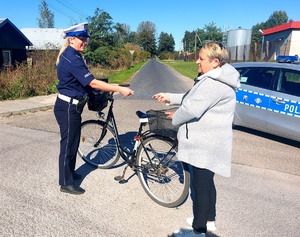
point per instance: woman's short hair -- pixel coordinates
(217, 50)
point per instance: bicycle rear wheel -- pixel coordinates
(163, 177)
(101, 154)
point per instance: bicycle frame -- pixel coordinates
(127, 155)
(152, 158)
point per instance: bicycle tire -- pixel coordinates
(168, 183)
(103, 155)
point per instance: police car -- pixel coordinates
(269, 98)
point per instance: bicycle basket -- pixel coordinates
(97, 100)
(162, 125)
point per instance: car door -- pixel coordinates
(284, 109)
(253, 98)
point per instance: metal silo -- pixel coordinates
(238, 44)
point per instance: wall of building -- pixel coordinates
(295, 43)
(276, 44)
(281, 43)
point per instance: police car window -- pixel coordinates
(289, 82)
(257, 76)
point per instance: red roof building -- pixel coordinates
(283, 27)
(281, 40)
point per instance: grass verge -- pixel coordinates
(125, 76)
(186, 68)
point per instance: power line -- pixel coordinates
(62, 12)
(72, 8)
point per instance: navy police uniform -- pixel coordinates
(74, 78)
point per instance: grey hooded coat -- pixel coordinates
(205, 118)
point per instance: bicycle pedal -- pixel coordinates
(118, 178)
(123, 181)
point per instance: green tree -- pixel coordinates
(212, 32)
(256, 33)
(277, 18)
(122, 32)
(166, 43)
(146, 32)
(108, 43)
(256, 39)
(101, 44)
(188, 41)
(190, 38)
(46, 19)
(100, 29)
(133, 38)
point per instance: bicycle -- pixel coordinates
(153, 158)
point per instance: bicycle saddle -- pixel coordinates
(141, 114)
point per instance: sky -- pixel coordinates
(169, 16)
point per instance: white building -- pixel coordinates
(281, 40)
(44, 38)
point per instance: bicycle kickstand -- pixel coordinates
(120, 178)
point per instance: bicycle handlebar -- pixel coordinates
(111, 93)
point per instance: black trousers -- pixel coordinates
(204, 198)
(69, 121)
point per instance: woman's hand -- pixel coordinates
(170, 114)
(161, 97)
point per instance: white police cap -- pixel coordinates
(80, 30)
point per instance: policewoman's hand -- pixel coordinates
(126, 91)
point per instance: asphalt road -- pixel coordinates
(155, 77)
(262, 198)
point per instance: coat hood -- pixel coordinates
(226, 74)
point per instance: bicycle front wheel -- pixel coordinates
(163, 177)
(102, 153)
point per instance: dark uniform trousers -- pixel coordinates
(69, 121)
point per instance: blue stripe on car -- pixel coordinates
(264, 101)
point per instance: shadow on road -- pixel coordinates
(126, 141)
(184, 230)
(268, 136)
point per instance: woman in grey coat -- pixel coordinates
(205, 134)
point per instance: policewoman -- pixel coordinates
(74, 81)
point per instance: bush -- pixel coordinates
(118, 58)
(26, 80)
(167, 56)
(39, 78)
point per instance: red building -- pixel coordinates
(281, 40)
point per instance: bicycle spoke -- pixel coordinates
(102, 154)
(162, 175)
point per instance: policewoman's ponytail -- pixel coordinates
(63, 48)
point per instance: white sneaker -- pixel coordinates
(187, 233)
(189, 220)
(210, 225)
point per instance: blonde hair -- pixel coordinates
(216, 50)
(63, 48)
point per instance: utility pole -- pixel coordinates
(195, 44)
(197, 36)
